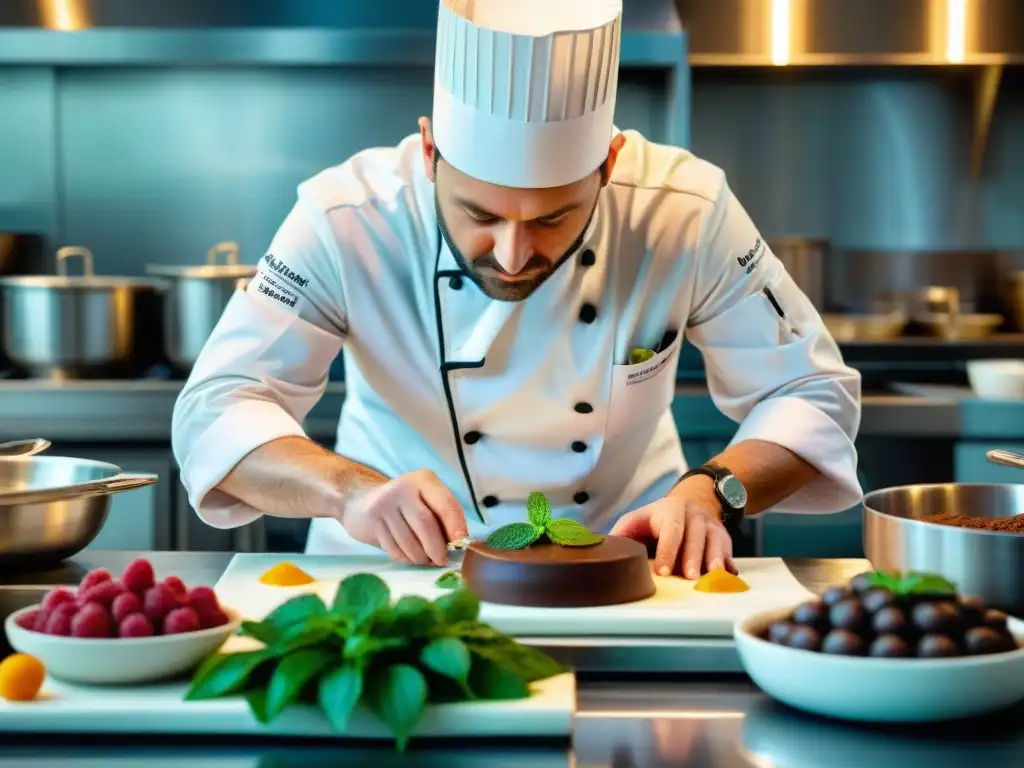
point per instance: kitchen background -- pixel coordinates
(878, 145)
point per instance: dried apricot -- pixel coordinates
(719, 581)
(21, 677)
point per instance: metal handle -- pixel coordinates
(74, 250)
(79, 491)
(1006, 458)
(23, 447)
(228, 248)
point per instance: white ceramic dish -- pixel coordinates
(997, 379)
(880, 690)
(118, 661)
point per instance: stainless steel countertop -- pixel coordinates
(136, 411)
(721, 721)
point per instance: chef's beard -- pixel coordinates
(486, 273)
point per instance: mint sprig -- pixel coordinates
(392, 658)
(561, 530)
(448, 580)
(911, 583)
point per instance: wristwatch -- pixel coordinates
(729, 490)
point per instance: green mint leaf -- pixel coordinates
(411, 616)
(569, 533)
(884, 580)
(256, 698)
(927, 584)
(448, 580)
(460, 605)
(538, 509)
(638, 356)
(521, 660)
(476, 631)
(339, 694)
(223, 674)
(360, 596)
(513, 536)
(292, 675)
(296, 610)
(449, 657)
(397, 695)
(488, 680)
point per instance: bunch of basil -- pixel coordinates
(392, 657)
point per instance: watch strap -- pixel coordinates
(731, 516)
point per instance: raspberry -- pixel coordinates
(28, 620)
(124, 605)
(42, 617)
(92, 620)
(60, 619)
(57, 596)
(179, 588)
(158, 602)
(138, 576)
(103, 593)
(92, 578)
(208, 619)
(181, 620)
(202, 599)
(135, 625)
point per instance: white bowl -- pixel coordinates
(997, 379)
(879, 690)
(118, 661)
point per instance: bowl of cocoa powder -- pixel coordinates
(970, 533)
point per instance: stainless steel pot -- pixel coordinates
(985, 564)
(804, 259)
(52, 507)
(196, 298)
(64, 326)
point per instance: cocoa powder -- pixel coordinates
(1013, 524)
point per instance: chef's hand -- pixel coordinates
(412, 518)
(688, 532)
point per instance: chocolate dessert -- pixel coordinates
(548, 575)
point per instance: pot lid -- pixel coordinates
(212, 269)
(86, 281)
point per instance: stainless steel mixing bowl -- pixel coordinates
(985, 564)
(52, 507)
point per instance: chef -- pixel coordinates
(510, 287)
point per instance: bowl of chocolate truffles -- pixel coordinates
(887, 647)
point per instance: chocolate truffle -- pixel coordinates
(548, 575)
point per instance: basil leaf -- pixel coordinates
(538, 509)
(256, 698)
(262, 631)
(223, 673)
(460, 605)
(412, 615)
(291, 676)
(296, 610)
(521, 660)
(447, 656)
(339, 694)
(570, 533)
(514, 536)
(360, 596)
(397, 695)
(448, 580)
(493, 681)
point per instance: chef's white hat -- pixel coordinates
(524, 90)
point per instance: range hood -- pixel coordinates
(741, 33)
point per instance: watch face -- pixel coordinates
(734, 492)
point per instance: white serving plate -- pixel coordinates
(119, 661)
(880, 690)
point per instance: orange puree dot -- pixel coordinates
(719, 581)
(286, 575)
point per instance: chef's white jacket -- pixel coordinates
(500, 398)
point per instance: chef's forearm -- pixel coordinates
(769, 472)
(294, 477)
